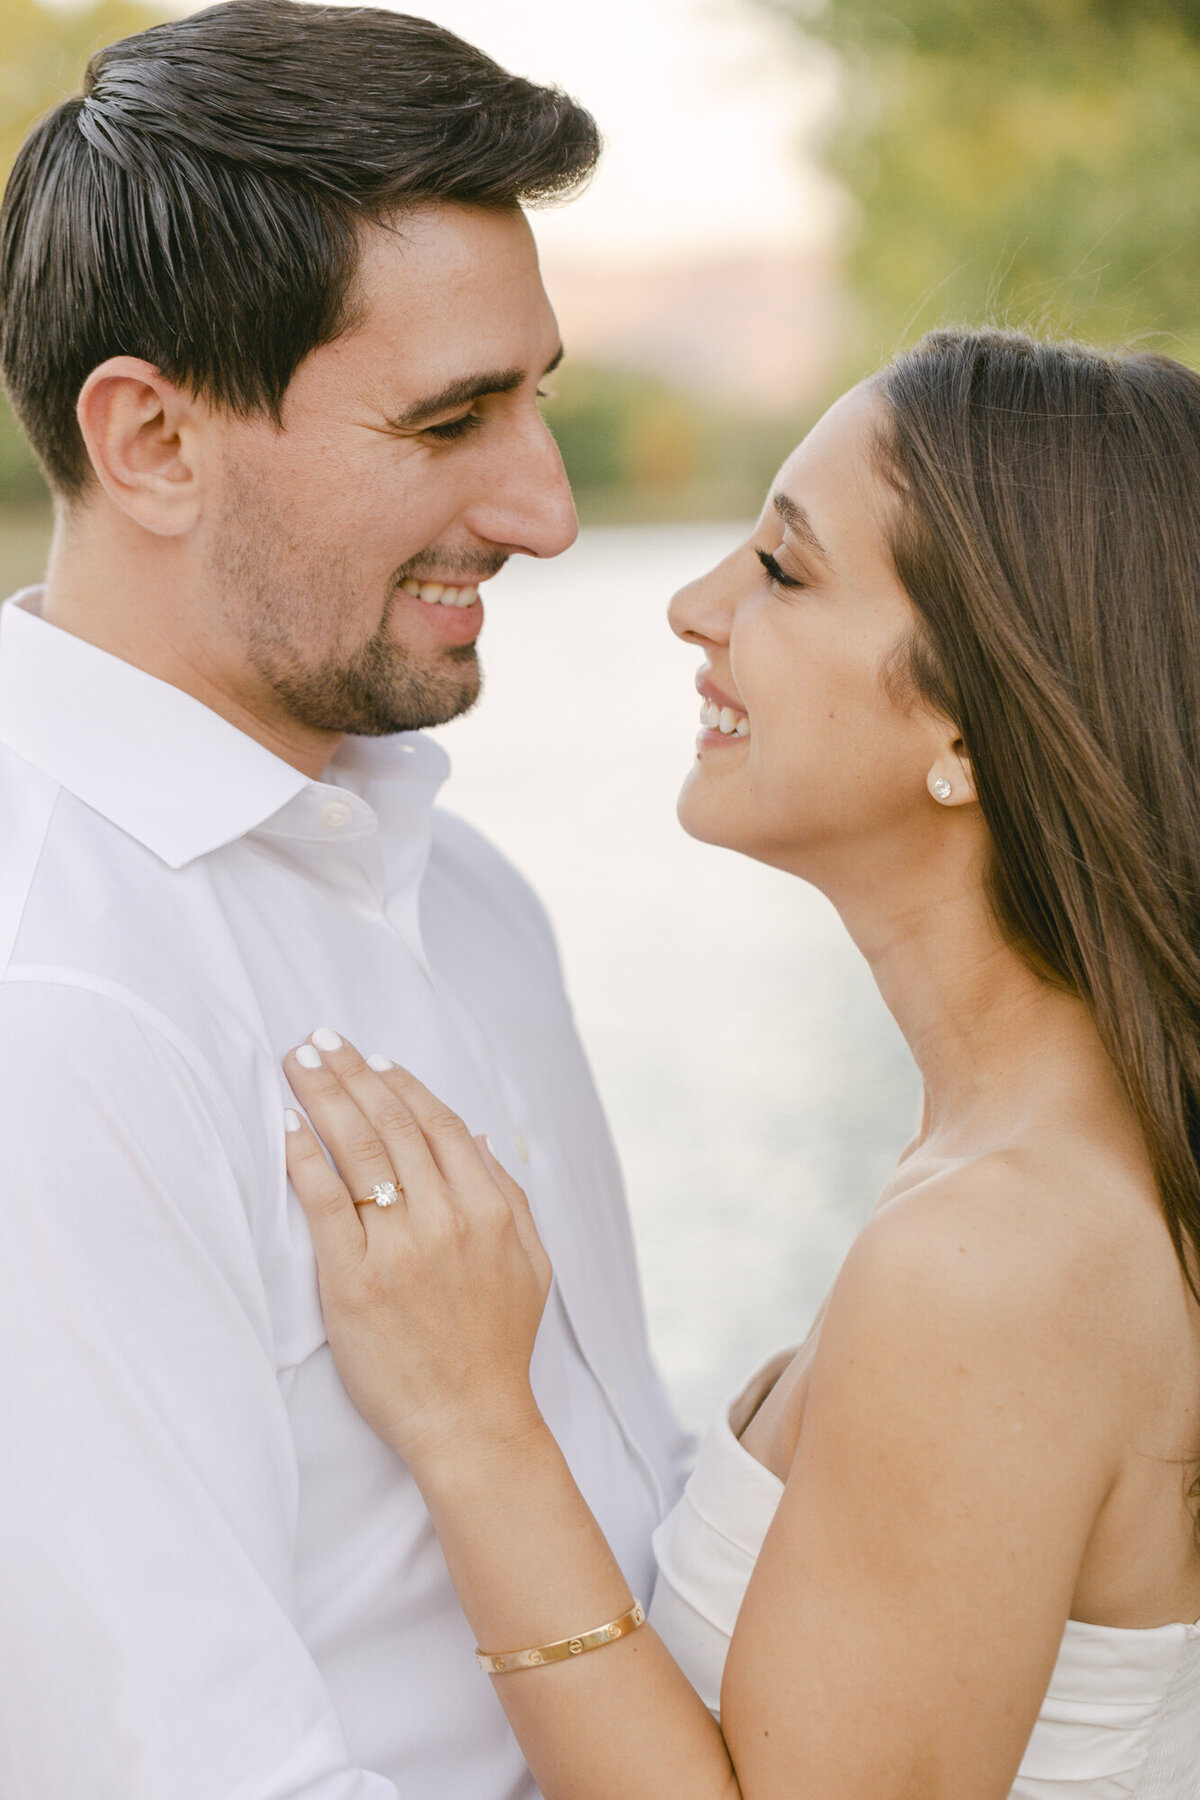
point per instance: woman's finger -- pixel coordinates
(386, 1120)
(451, 1144)
(522, 1212)
(352, 1139)
(337, 1233)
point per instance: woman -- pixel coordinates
(953, 680)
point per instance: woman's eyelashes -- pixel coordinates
(776, 573)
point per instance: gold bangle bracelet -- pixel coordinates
(565, 1648)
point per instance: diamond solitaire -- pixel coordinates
(385, 1193)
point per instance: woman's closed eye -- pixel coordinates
(776, 573)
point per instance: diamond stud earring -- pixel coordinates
(940, 789)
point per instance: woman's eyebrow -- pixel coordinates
(796, 518)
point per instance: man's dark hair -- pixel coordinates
(199, 204)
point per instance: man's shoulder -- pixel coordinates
(91, 966)
(473, 854)
(463, 855)
(70, 1031)
(27, 801)
(27, 797)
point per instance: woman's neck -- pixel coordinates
(995, 1043)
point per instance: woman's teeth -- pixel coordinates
(437, 594)
(724, 720)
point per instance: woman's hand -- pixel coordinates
(432, 1304)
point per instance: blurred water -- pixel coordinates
(758, 1090)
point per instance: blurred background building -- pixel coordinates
(791, 188)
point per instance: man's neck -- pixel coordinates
(138, 602)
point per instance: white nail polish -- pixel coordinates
(325, 1039)
(380, 1063)
(308, 1058)
(291, 1120)
(491, 1148)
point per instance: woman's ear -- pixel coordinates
(951, 780)
(140, 433)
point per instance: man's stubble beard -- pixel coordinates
(377, 691)
(271, 602)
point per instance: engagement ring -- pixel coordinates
(384, 1193)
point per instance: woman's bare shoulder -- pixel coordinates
(1064, 1257)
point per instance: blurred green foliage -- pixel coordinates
(21, 480)
(1032, 161)
(637, 448)
(43, 53)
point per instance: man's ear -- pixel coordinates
(142, 436)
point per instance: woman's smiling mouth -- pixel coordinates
(722, 721)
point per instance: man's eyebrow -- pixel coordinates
(464, 390)
(795, 516)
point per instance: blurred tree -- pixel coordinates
(1033, 161)
(43, 52)
(638, 448)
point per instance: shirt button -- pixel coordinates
(521, 1145)
(335, 814)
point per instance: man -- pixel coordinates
(273, 321)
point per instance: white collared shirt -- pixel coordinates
(215, 1582)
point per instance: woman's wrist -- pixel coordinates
(526, 1556)
(486, 1445)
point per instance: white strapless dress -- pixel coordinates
(1121, 1717)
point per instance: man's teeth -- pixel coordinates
(437, 594)
(724, 720)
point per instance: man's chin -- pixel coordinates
(344, 703)
(434, 704)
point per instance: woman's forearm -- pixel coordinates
(432, 1315)
(531, 1566)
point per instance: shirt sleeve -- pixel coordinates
(149, 1643)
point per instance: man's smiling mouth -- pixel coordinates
(438, 593)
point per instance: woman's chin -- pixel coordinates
(704, 817)
(716, 819)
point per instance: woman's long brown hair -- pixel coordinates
(1048, 535)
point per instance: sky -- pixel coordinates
(706, 106)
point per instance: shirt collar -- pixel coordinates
(161, 765)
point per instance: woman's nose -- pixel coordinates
(700, 612)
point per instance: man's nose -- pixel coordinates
(529, 506)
